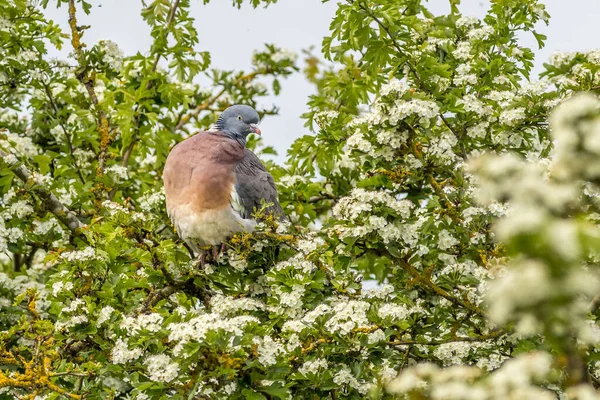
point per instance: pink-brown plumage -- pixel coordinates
(199, 183)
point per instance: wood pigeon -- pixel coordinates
(213, 183)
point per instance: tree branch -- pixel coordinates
(88, 82)
(155, 297)
(426, 282)
(64, 215)
(595, 304)
(481, 338)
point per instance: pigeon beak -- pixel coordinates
(255, 129)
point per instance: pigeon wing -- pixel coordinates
(254, 185)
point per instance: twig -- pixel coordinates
(187, 286)
(323, 196)
(168, 24)
(595, 304)
(155, 297)
(424, 281)
(88, 81)
(491, 335)
(64, 215)
(52, 374)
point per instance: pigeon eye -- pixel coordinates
(239, 117)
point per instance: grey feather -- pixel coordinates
(256, 186)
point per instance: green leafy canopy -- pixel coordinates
(430, 168)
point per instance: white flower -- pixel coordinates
(379, 292)
(160, 368)
(268, 350)
(412, 378)
(26, 56)
(151, 322)
(454, 352)
(70, 322)
(121, 354)
(466, 21)
(148, 161)
(313, 366)
(308, 246)
(284, 55)
(113, 55)
(151, 200)
(358, 142)
(446, 240)
(558, 59)
(480, 33)
(291, 180)
(347, 315)
(105, 314)
(56, 89)
(74, 306)
(5, 25)
(387, 372)
(393, 311)
(227, 305)
(20, 209)
(512, 117)
(118, 172)
(61, 286)
(519, 370)
(503, 98)
(293, 325)
(425, 109)
(344, 377)
(392, 138)
(43, 227)
(376, 337)
(87, 254)
(501, 80)
(230, 388)
(472, 104)
(296, 263)
(478, 131)
(198, 327)
(463, 51)
(395, 85)
(292, 299)
(323, 118)
(11, 159)
(19, 145)
(523, 285)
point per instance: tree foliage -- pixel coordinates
(430, 168)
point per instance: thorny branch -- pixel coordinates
(480, 338)
(425, 281)
(64, 215)
(155, 297)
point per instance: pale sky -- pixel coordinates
(231, 35)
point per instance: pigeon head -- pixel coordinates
(238, 122)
